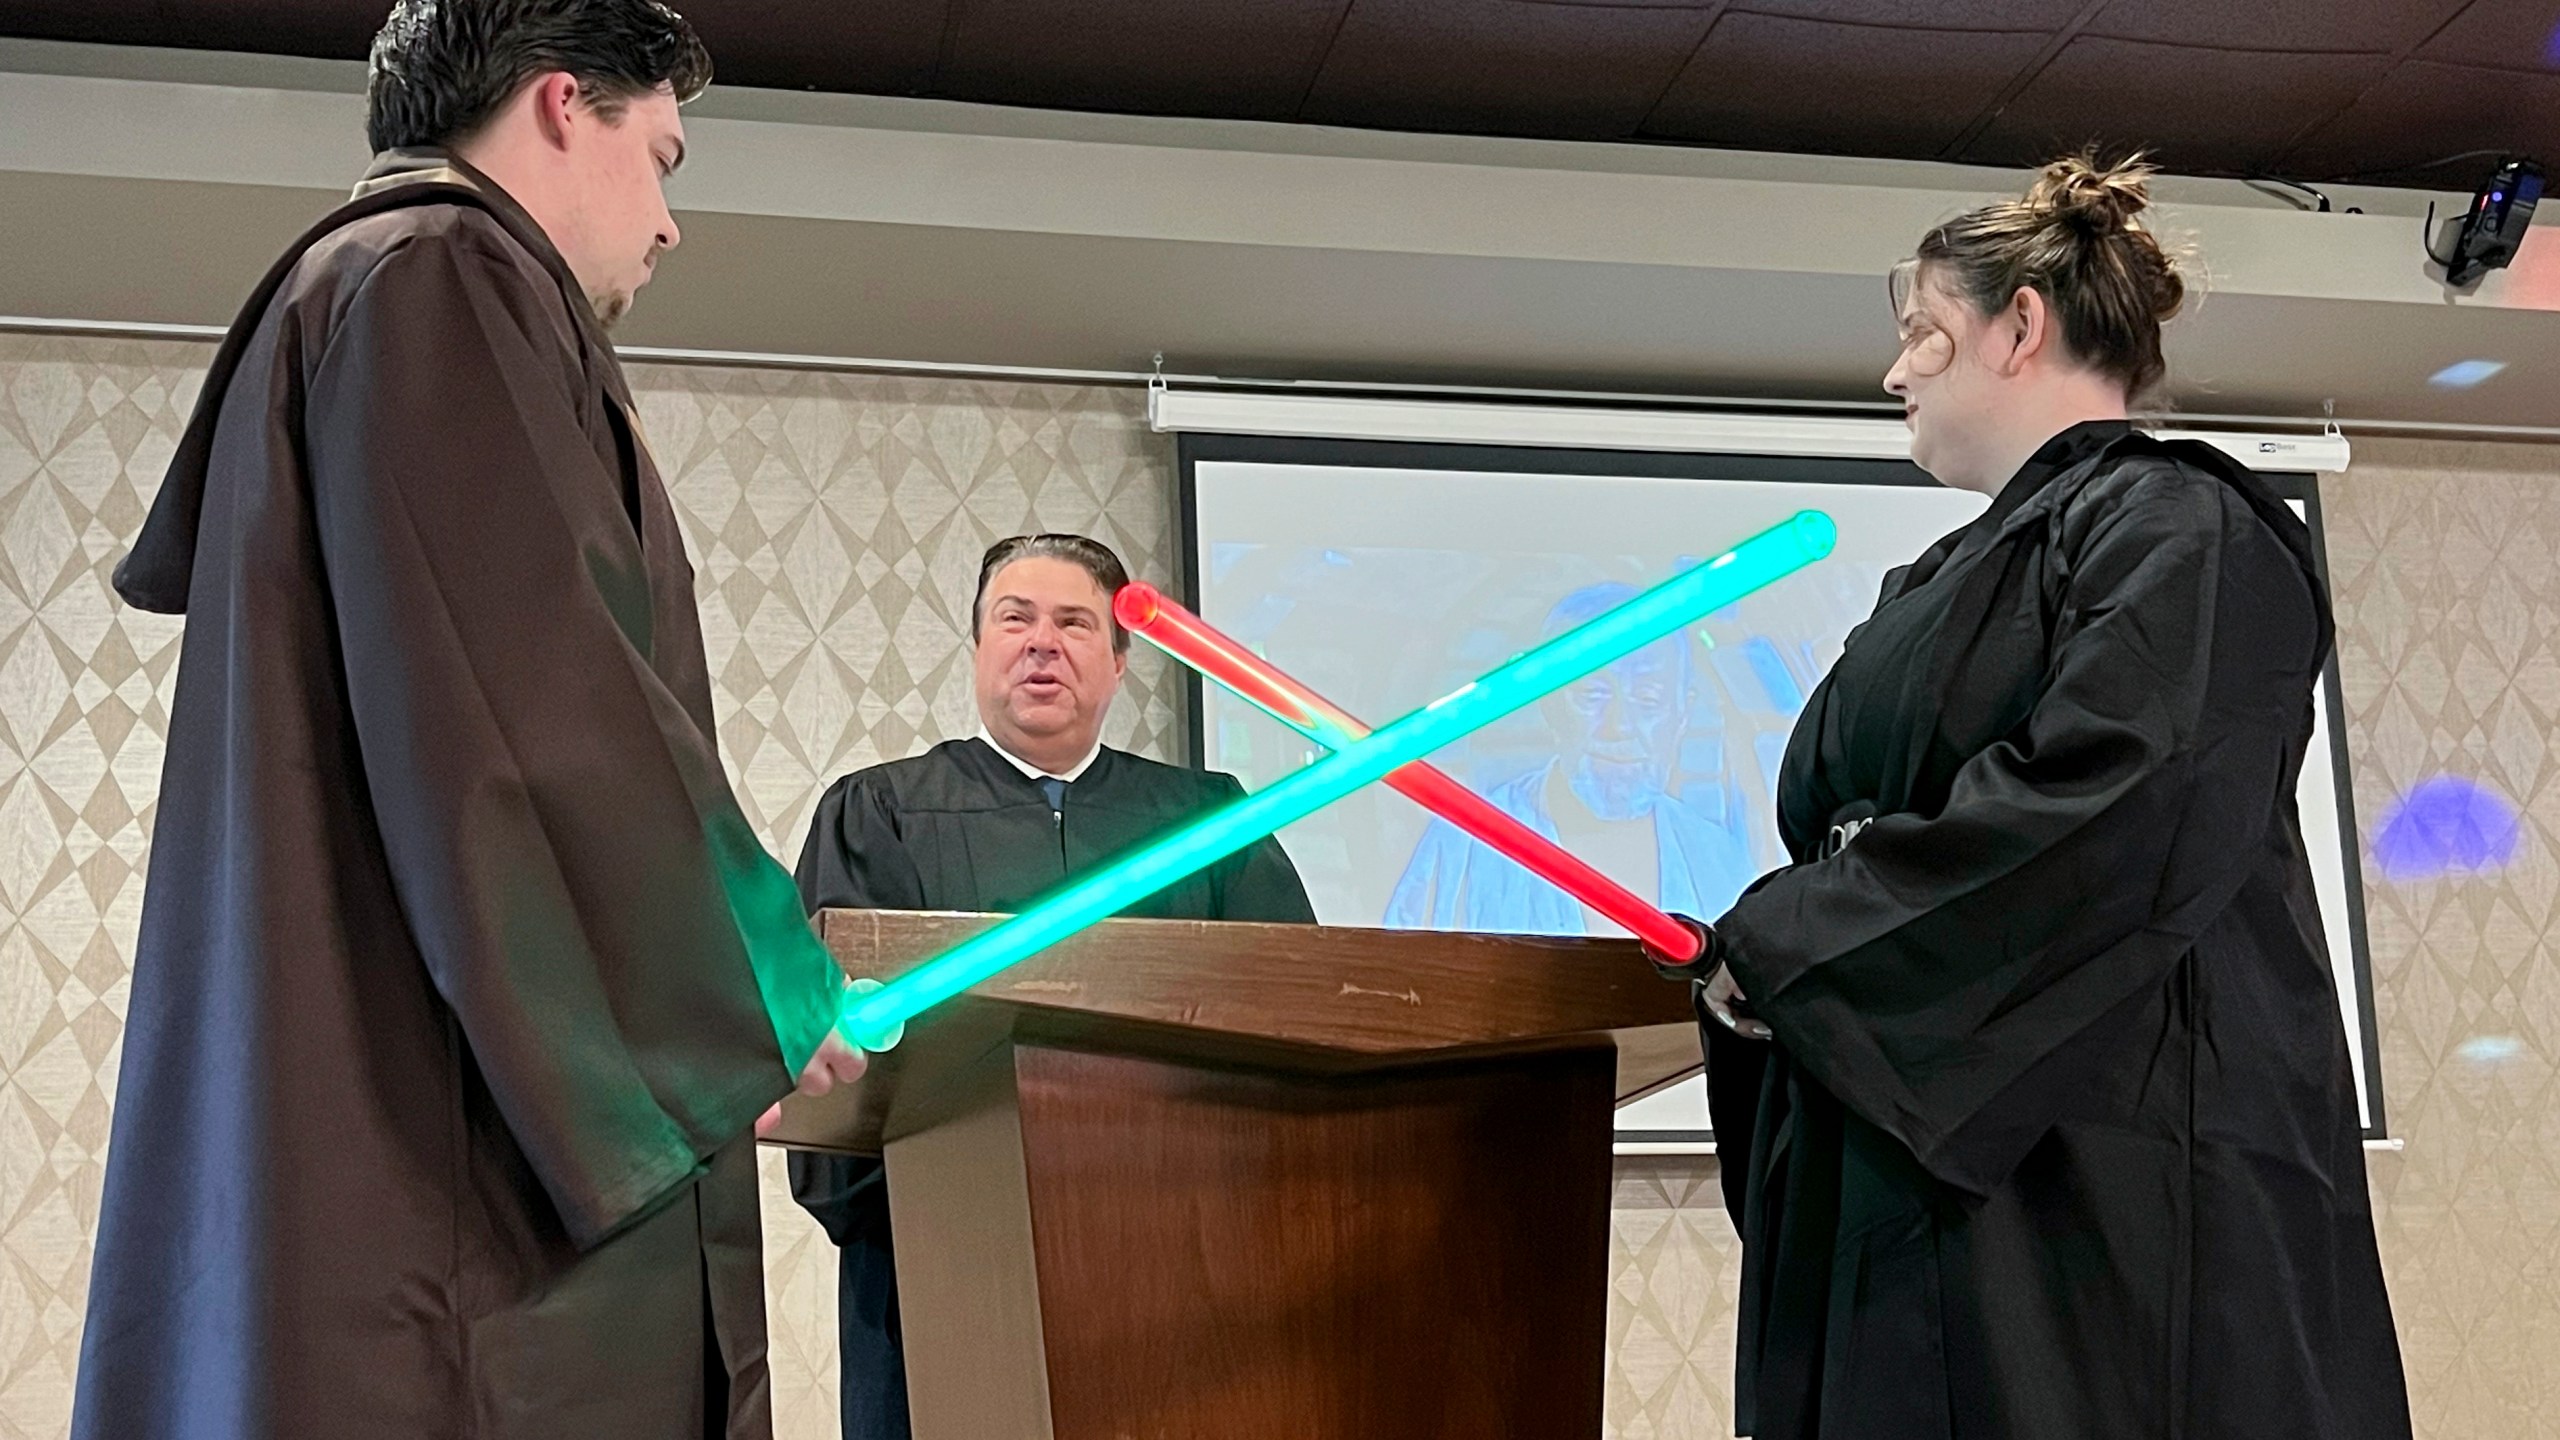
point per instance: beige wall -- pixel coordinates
(2446, 562)
(836, 521)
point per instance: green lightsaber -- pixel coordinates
(875, 1018)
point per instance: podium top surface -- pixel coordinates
(1297, 998)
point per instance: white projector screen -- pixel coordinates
(1386, 575)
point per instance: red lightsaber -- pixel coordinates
(1143, 610)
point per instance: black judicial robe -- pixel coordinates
(959, 828)
(2057, 1137)
(462, 978)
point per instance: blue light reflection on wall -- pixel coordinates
(2447, 825)
(2490, 1049)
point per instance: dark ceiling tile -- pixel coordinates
(1504, 66)
(332, 29)
(2422, 113)
(2041, 15)
(1904, 93)
(875, 47)
(2514, 34)
(2211, 112)
(110, 22)
(1180, 57)
(329, 29)
(2305, 25)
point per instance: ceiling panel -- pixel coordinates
(2505, 34)
(1504, 66)
(274, 27)
(1158, 57)
(2218, 86)
(299, 27)
(2197, 110)
(877, 47)
(2045, 16)
(1916, 91)
(2308, 25)
(2426, 112)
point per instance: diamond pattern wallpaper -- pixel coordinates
(836, 522)
(2445, 561)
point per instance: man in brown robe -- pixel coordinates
(462, 978)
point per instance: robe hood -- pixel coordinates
(156, 573)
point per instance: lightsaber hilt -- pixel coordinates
(1695, 961)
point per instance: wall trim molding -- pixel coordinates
(1032, 374)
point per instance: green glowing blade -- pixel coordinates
(873, 1019)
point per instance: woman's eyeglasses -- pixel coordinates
(1926, 349)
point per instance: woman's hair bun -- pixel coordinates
(2103, 197)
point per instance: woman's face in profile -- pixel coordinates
(1947, 398)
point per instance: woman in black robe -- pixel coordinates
(2037, 1119)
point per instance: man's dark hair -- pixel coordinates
(1092, 556)
(442, 68)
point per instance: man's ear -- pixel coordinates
(558, 107)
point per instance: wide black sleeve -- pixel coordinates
(854, 859)
(1952, 977)
(1259, 883)
(630, 969)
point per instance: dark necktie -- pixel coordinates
(1056, 790)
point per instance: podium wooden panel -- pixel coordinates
(1182, 1181)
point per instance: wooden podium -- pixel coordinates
(1172, 1180)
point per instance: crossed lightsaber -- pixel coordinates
(874, 1017)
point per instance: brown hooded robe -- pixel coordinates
(461, 976)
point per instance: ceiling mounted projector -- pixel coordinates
(2489, 233)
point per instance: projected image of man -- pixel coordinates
(1606, 795)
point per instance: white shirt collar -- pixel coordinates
(1034, 772)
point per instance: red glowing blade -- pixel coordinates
(1144, 610)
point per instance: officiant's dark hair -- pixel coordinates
(442, 68)
(2077, 238)
(1092, 556)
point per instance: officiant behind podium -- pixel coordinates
(988, 824)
